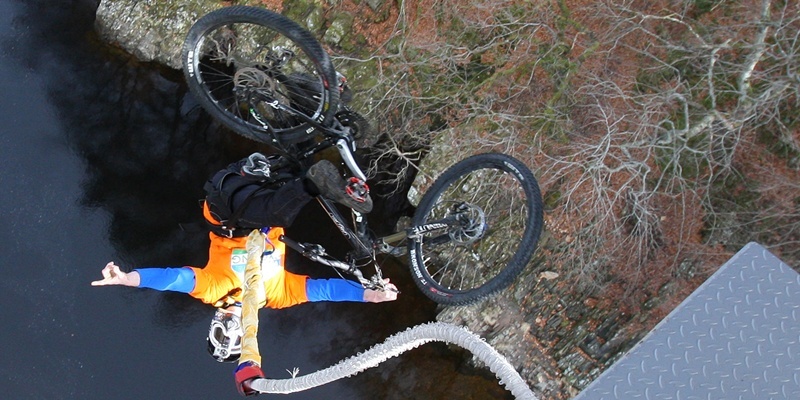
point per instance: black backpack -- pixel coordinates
(248, 178)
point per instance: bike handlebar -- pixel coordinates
(317, 254)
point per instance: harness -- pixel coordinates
(229, 298)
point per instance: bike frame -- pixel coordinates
(363, 245)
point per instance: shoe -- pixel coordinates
(332, 186)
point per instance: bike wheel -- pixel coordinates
(497, 205)
(260, 74)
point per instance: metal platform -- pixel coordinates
(736, 337)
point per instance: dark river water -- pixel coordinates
(103, 158)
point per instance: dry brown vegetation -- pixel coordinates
(664, 134)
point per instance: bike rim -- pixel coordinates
(259, 77)
(477, 253)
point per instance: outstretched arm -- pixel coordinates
(112, 275)
(174, 279)
(344, 290)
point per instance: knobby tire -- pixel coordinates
(472, 267)
(237, 39)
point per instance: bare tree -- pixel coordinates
(655, 138)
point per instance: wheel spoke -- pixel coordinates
(488, 189)
(241, 60)
(495, 211)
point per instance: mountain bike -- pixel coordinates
(269, 80)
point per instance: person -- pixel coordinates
(238, 200)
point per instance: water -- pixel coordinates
(103, 158)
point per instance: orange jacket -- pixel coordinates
(224, 272)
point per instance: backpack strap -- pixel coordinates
(219, 200)
(233, 220)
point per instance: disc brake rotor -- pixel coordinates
(253, 80)
(472, 224)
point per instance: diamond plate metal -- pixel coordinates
(736, 337)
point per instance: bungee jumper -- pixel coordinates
(253, 194)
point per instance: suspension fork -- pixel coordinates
(415, 234)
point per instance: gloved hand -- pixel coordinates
(244, 374)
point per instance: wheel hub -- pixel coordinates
(471, 224)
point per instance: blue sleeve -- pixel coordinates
(173, 279)
(333, 290)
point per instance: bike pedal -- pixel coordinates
(357, 189)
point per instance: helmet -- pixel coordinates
(225, 334)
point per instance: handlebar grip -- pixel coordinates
(292, 244)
